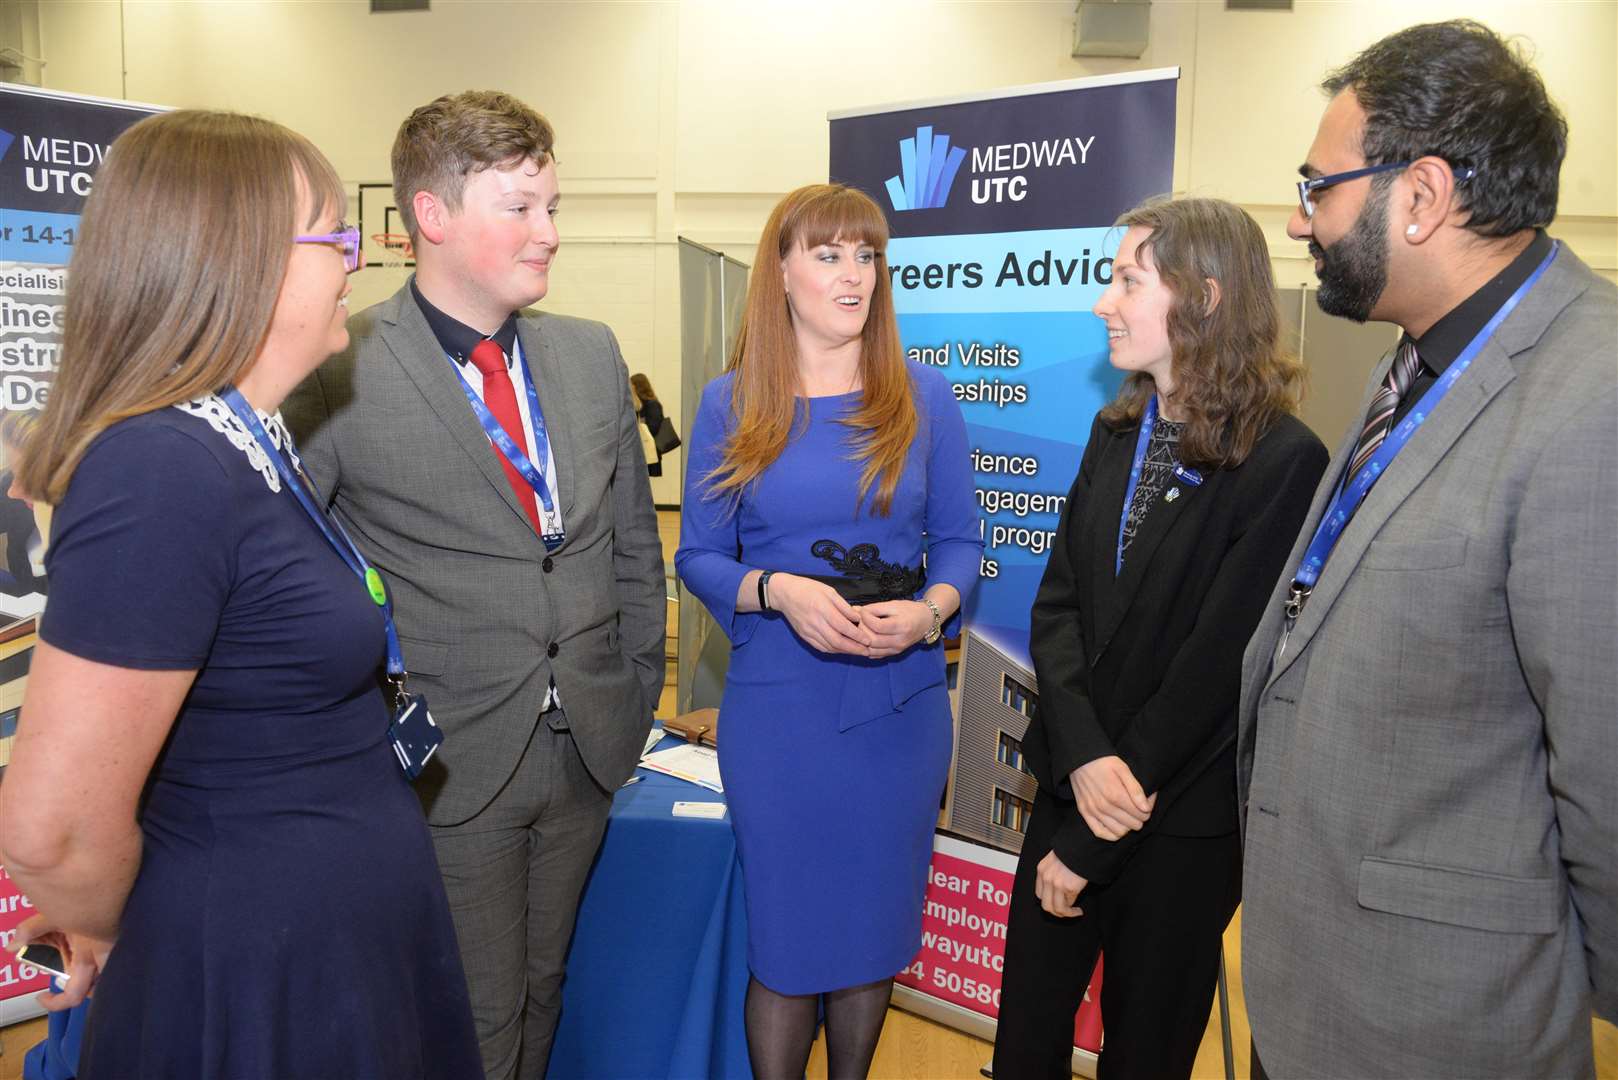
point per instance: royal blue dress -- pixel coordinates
(833, 765)
(288, 919)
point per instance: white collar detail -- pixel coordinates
(212, 408)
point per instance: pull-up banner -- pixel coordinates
(51, 145)
(1001, 209)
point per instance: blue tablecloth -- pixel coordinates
(57, 1058)
(657, 974)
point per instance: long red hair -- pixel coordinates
(766, 388)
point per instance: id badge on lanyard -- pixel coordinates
(414, 733)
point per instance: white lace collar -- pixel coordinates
(212, 408)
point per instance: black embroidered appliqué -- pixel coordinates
(863, 564)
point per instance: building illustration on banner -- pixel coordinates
(991, 791)
(927, 168)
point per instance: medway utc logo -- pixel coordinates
(927, 165)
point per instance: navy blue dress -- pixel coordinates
(288, 918)
(833, 765)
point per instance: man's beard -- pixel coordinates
(1354, 271)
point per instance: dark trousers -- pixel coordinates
(1160, 925)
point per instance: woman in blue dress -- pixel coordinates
(830, 527)
(203, 801)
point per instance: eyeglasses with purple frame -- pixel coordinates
(346, 239)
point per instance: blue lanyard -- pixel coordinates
(513, 453)
(1353, 490)
(1148, 421)
(329, 526)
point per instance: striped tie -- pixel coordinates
(1379, 418)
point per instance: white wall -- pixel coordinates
(690, 117)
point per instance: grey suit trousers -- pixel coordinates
(514, 874)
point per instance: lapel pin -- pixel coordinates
(1172, 494)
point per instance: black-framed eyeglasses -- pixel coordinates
(346, 240)
(1319, 183)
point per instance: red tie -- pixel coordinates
(501, 400)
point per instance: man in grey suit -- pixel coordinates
(487, 461)
(1428, 735)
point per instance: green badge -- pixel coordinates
(373, 582)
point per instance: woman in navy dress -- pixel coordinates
(203, 802)
(823, 470)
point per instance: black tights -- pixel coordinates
(781, 1029)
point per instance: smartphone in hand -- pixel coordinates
(45, 958)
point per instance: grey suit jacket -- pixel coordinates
(1430, 773)
(486, 615)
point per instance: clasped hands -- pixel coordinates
(827, 622)
(1109, 798)
(1112, 803)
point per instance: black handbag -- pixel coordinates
(666, 438)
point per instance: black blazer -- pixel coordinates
(1147, 665)
(651, 414)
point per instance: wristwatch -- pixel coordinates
(938, 622)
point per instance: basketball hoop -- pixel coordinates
(397, 250)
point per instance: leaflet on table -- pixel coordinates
(712, 811)
(693, 764)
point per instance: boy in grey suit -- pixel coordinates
(487, 461)
(1427, 736)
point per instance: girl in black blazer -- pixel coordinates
(1191, 491)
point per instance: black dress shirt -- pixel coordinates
(1444, 340)
(458, 339)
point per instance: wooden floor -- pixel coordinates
(917, 1049)
(14, 1042)
(913, 1048)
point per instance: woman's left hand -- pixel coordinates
(1058, 888)
(896, 625)
(84, 956)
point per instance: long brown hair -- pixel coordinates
(181, 251)
(766, 386)
(1233, 377)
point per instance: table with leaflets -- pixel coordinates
(657, 973)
